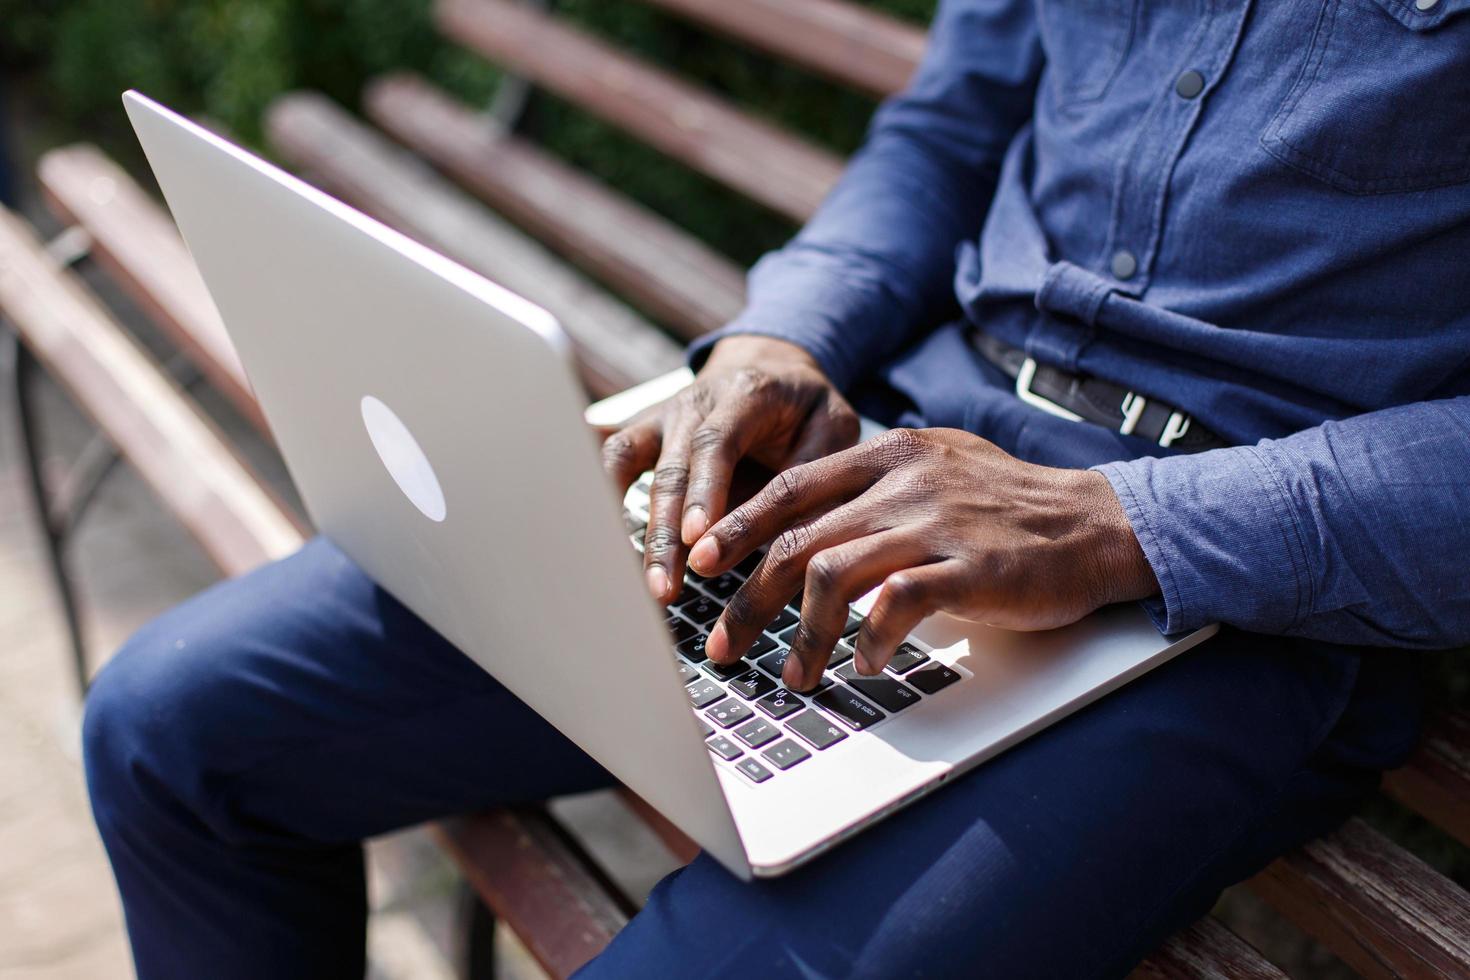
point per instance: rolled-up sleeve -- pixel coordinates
(1356, 531)
(878, 259)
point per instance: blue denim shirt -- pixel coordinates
(1278, 244)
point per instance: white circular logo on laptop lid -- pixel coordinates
(403, 458)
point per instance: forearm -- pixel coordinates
(1354, 531)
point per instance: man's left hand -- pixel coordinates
(942, 520)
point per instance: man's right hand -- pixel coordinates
(756, 397)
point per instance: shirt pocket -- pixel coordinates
(1382, 102)
(1085, 42)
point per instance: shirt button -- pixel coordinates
(1124, 264)
(1426, 4)
(1192, 83)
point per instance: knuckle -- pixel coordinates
(790, 544)
(748, 380)
(671, 479)
(903, 590)
(708, 439)
(824, 573)
(660, 541)
(788, 489)
(617, 449)
(735, 527)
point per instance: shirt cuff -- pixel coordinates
(1220, 533)
(832, 306)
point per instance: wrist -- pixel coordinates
(741, 349)
(1122, 569)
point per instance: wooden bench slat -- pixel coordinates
(767, 164)
(1436, 780)
(173, 447)
(669, 272)
(134, 239)
(1383, 911)
(615, 346)
(537, 882)
(849, 44)
(1206, 950)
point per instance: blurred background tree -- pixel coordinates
(227, 59)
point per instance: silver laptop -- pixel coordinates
(434, 426)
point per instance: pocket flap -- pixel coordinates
(1407, 12)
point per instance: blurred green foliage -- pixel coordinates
(227, 59)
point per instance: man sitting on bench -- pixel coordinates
(1172, 302)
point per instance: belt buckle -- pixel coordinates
(1024, 377)
(1132, 408)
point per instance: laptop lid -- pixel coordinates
(432, 422)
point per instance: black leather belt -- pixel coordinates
(1084, 399)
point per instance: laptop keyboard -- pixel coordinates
(748, 719)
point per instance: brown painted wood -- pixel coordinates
(1383, 911)
(1436, 780)
(1206, 950)
(537, 882)
(767, 164)
(136, 241)
(666, 271)
(616, 347)
(173, 447)
(847, 43)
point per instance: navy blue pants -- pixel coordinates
(239, 749)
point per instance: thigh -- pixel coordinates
(303, 700)
(1072, 855)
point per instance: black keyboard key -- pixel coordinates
(702, 693)
(780, 703)
(932, 679)
(687, 674)
(774, 663)
(907, 658)
(635, 525)
(721, 586)
(854, 623)
(725, 673)
(729, 713)
(751, 685)
(761, 647)
(757, 732)
(841, 653)
(785, 754)
(682, 629)
(753, 769)
(705, 731)
(785, 619)
(692, 649)
(889, 693)
(701, 609)
(746, 566)
(815, 729)
(785, 635)
(724, 748)
(850, 709)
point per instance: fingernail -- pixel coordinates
(864, 665)
(658, 581)
(717, 645)
(696, 522)
(791, 675)
(705, 556)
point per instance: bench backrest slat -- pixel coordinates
(764, 162)
(849, 44)
(669, 272)
(616, 347)
(176, 451)
(135, 240)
